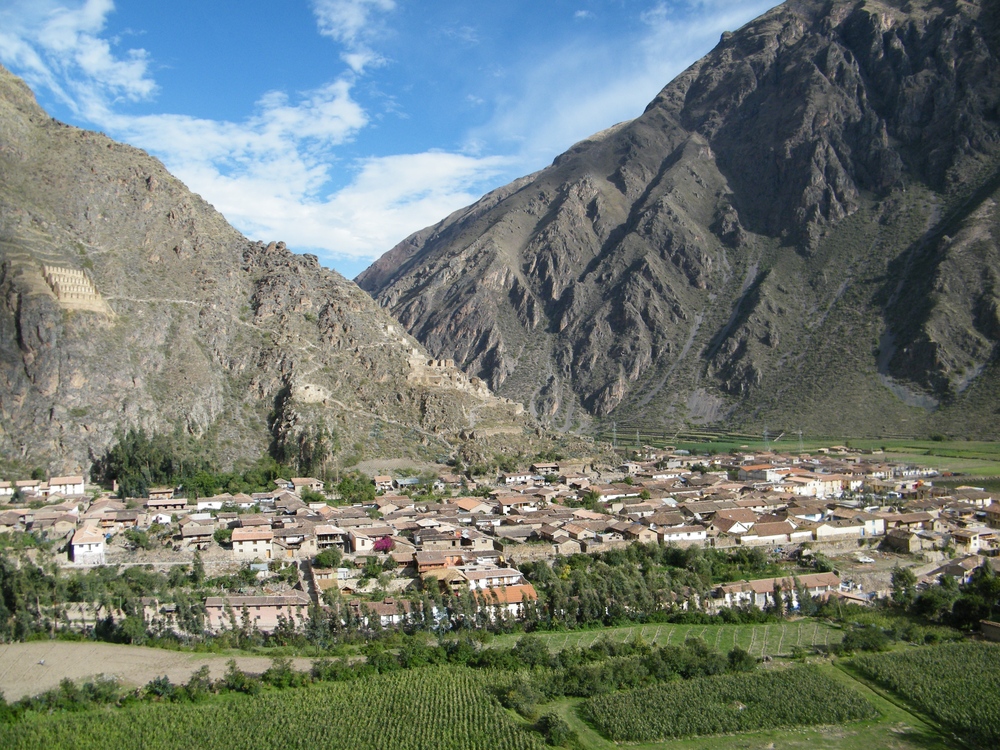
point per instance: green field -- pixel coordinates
(728, 704)
(421, 709)
(896, 728)
(957, 684)
(772, 639)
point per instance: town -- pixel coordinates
(454, 534)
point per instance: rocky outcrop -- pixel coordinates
(128, 302)
(734, 240)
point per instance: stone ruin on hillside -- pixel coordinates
(443, 372)
(74, 289)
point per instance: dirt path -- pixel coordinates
(31, 668)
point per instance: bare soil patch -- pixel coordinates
(32, 668)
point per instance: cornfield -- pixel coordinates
(957, 684)
(726, 704)
(408, 710)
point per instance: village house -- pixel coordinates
(909, 542)
(71, 485)
(763, 473)
(293, 544)
(252, 543)
(87, 546)
(509, 601)
(608, 492)
(475, 505)
(682, 534)
(197, 535)
(522, 477)
(264, 613)
(360, 543)
(328, 535)
(306, 483)
(492, 578)
(390, 611)
(769, 533)
(31, 486)
(971, 541)
(992, 515)
(166, 504)
(505, 504)
(760, 592)
(54, 524)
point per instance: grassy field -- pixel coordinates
(772, 639)
(895, 729)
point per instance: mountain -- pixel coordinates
(126, 302)
(800, 230)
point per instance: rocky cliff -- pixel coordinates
(800, 229)
(127, 301)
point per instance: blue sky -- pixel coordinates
(342, 126)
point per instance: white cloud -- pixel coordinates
(585, 86)
(277, 174)
(582, 15)
(270, 174)
(354, 24)
(389, 198)
(58, 45)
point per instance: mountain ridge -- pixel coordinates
(773, 216)
(128, 302)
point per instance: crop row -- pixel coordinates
(957, 684)
(801, 696)
(409, 710)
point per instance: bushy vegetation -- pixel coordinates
(801, 696)
(138, 461)
(640, 583)
(957, 684)
(603, 668)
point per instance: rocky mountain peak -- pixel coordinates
(724, 256)
(126, 301)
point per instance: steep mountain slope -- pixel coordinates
(800, 229)
(127, 301)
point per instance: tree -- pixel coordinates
(223, 536)
(200, 684)
(741, 661)
(197, 569)
(556, 730)
(904, 585)
(356, 489)
(328, 558)
(531, 651)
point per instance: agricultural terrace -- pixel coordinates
(445, 708)
(769, 639)
(800, 696)
(956, 684)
